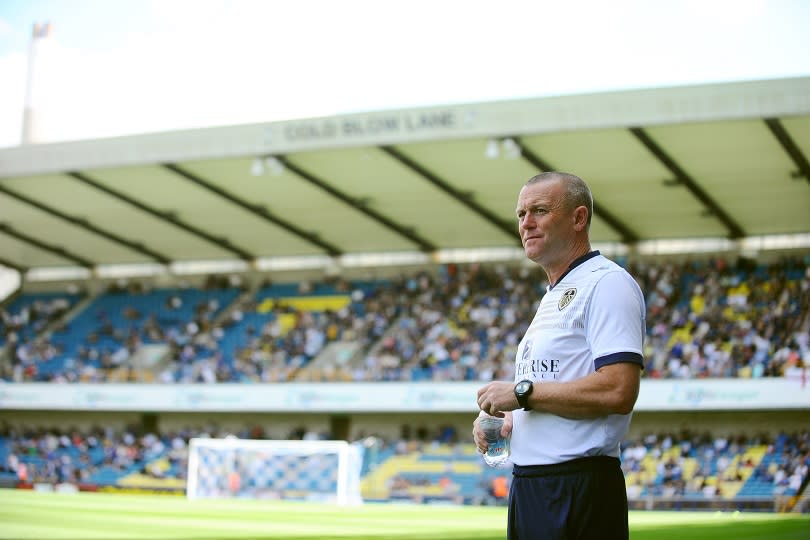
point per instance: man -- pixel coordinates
(577, 375)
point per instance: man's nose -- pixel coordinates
(527, 221)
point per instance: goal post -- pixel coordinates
(327, 471)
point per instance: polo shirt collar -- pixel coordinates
(575, 263)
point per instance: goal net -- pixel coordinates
(326, 471)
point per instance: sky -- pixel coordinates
(119, 67)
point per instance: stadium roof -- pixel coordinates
(712, 161)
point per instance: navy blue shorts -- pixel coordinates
(579, 499)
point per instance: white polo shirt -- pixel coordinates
(593, 316)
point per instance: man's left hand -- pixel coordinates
(497, 397)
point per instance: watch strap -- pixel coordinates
(523, 397)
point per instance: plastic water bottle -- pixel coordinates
(497, 454)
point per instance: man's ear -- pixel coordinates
(580, 218)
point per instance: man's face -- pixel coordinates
(544, 224)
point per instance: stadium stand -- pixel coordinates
(274, 334)
(30, 314)
(685, 470)
(99, 341)
(706, 319)
(27, 316)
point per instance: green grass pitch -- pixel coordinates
(86, 516)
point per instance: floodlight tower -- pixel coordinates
(39, 55)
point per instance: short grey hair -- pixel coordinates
(577, 192)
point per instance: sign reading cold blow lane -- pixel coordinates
(383, 124)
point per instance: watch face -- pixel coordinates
(522, 387)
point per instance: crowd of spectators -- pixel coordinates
(464, 323)
(277, 345)
(708, 318)
(73, 456)
(22, 326)
(31, 318)
(98, 343)
(716, 461)
(715, 319)
(94, 455)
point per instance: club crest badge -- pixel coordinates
(566, 298)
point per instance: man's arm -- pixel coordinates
(612, 389)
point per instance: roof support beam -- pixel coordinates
(734, 229)
(627, 235)
(135, 246)
(466, 199)
(526, 153)
(257, 210)
(223, 243)
(44, 246)
(407, 232)
(14, 266)
(790, 146)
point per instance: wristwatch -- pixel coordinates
(523, 390)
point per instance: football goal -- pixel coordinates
(267, 469)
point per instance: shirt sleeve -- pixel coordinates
(616, 320)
